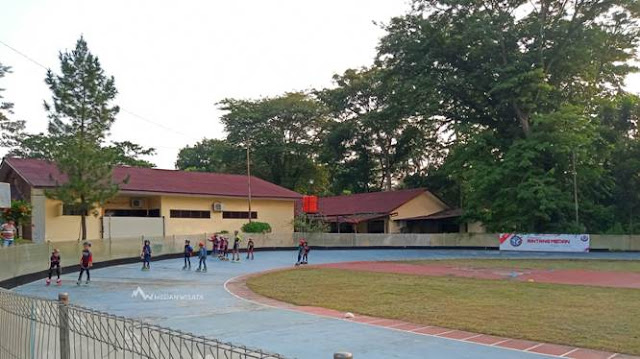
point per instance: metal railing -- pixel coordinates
(37, 328)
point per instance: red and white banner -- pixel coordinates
(544, 242)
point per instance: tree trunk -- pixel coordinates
(523, 118)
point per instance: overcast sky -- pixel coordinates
(173, 60)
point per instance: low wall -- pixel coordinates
(27, 259)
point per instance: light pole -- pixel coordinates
(575, 188)
(249, 180)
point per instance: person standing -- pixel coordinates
(146, 255)
(235, 256)
(188, 251)
(250, 247)
(86, 262)
(8, 232)
(301, 245)
(202, 254)
(54, 263)
(215, 242)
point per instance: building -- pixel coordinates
(151, 202)
(403, 211)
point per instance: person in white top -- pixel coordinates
(8, 233)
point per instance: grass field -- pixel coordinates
(595, 265)
(590, 317)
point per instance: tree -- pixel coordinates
(10, 130)
(212, 155)
(374, 128)
(516, 86)
(127, 153)
(80, 115)
(283, 134)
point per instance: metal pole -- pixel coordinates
(575, 188)
(63, 313)
(343, 355)
(249, 180)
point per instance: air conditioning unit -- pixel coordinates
(137, 203)
(218, 207)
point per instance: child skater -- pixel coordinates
(214, 248)
(146, 255)
(305, 255)
(250, 246)
(236, 247)
(188, 251)
(225, 249)
(86, 262)
(54, 262)
(301, 244)
(202, 254)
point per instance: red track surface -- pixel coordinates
(565, 276)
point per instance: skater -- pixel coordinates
(215, 245)
(146, 255)
(86, 262)
(225, 249)
(301, 244)
(250, 246)
(202, 254)
(188, 252)
(54, 262)
(305, 255)
(236, 247)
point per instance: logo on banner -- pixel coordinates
(584, 238)
(515, 241)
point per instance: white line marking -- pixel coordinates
(500, 342)
(570, 351)
(415, 330)
(447, 332)
(473, 336)
(533, 347)
(613, 356)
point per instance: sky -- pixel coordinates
(174, 60)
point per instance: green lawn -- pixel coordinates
(591, 317)
(596, 264)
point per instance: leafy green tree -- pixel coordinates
(80, 115)
(380, 132)
(11, 131)
(516, 84)
(127, 153)
(283, 134)
(212, 155)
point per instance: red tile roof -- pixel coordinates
(447, 213)
(45, 174)
(367, 203)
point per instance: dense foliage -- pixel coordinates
(514, 110)
(256, 227)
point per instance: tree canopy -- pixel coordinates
(514, 110)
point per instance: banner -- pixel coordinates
(544, 242)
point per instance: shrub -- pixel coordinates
(256, 227)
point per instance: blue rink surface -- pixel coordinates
(213, 312)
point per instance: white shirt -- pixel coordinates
(8, 231)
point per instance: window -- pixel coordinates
(132, 213)
(70, 210)
(181, 213)
(239, 215)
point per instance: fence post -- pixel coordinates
(343, 355)
(63, 317)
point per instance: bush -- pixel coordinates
(303, 223)
(256, 227)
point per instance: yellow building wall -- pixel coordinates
(67, 228)
(278, 213)
(422, 205)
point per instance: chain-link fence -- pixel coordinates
(38, 328)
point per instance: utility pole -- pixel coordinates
(249, 180)
(575, 188)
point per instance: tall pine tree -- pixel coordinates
(80, 116)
